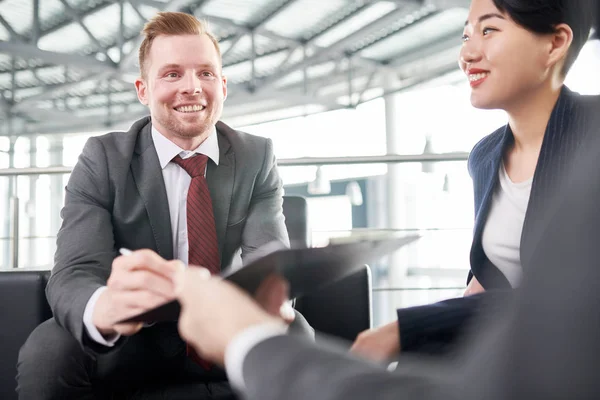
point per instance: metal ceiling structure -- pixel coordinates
(69, 65)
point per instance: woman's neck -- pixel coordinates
(529, 118)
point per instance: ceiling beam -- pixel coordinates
(35, 22)
(234, 42)
(152, 3)
(226, 22)
(268, 34)
(266, 19)
(13, 34)
(108, 46)
(5, 107)
(428, 49)
(67, 21)
(27, 51)
(339, 21)
(447, 4)
(420, 60)
(340, 45)
(77, 18)
(51, 91)
(134, 6)
(390, 35)
(405, 7)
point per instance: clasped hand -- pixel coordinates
(144, 280)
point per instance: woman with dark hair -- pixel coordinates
(516, 54)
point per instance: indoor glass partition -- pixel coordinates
(30, 205)
(353, 196)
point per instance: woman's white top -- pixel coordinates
(501, 239)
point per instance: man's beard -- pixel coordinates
(188, 130)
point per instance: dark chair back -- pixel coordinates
(23, 306)
(295, 210)
(343, 309)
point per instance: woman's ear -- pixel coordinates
(560, 43)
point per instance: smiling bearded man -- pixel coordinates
(179, 184)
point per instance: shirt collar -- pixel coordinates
(167, 150)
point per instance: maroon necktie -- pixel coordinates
(203, 249)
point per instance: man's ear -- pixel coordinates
(141, 89)
(224, 84)
(560, 43)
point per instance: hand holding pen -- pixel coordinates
(139, 281)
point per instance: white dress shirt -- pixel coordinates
(177, 183)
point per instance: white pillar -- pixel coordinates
(57, 190)
(401, 198)
(7, 244)
(57, 194)
(30, 210)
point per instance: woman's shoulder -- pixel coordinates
(483, 149)
(591, 102)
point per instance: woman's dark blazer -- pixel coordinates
(435, 328)
(566, 131)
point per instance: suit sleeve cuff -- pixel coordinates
(240, 346)
(90, 328)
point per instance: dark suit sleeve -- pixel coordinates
(438, 328)
(292, 368)
(538, 342)
(85, 242)
(265, 223)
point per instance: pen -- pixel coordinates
(125, 252)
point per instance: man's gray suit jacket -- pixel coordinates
(116, 197)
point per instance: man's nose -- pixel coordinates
(191, 85)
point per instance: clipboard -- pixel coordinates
(307, 270)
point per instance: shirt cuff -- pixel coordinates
(240, 346)
(90, 328)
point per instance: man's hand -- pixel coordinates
(474, 287)
(138, 282)
(380, 344)
(214, 311)
(272, 295)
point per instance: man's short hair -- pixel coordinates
(171, 24)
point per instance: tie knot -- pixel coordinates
(194, 166)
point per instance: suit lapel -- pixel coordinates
(147, 175)
(565, 132)
(220, 184)
(488, 274)
(490, 175)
